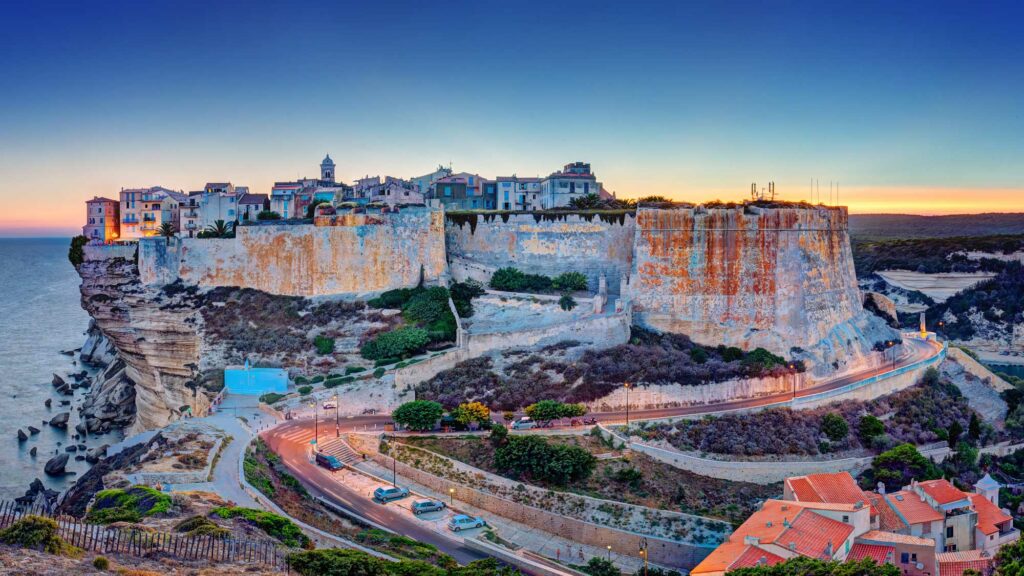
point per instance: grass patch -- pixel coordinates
(130, 505)
(271, 397)
(216, 457)
(275, 526)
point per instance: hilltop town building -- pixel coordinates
(143, 210)
(926, 529)
(102, 220)
(574, 181)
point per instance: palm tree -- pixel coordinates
(167, 231)
(219, 229)
(587, 202)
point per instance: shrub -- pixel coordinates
(897, 467)
(129, 505)
(337, 562)
(275, 526)
(100, 563)
(567, 302)
(334, 381)
(834, 426)
(462, 295)
(514, 280)
(418, 414)
(472, 412)
(323, 345)
(379, 372)
(598, 566)
(396, 343)
(499, 434)
(869, 427)
(392, 298)
(535, 458)
(546, 410)
(272, 397)
(305, 390)
(76, 253)
(201, 526)
(268, 215)
(354, 369)
(37, 532)
(569, 282)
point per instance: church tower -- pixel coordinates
(327, 169)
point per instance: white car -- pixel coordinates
(330, 404)
(524, 423)
(463, 522)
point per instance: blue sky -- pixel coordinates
(902, 102)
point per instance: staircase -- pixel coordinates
(340, 449)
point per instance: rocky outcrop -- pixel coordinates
(157, 350)
(76, 499)
(38, 496)
(55, 466)
(60, 420)
(882, 307)
(97, 350)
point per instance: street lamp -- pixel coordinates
(337, 422)
(628, 386)
(939, 326)
(643, 553)
(316, 426)
(609, 552)
(451, 496)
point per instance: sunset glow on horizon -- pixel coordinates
(912, 107)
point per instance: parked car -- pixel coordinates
(424, 506)
(330, 404)
(329, 462)
(389, 494)
(524, 423)
(463, 522)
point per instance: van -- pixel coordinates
(329, 462)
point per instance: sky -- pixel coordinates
(911, 107)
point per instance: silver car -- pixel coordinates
(463, 522)
(424, 506)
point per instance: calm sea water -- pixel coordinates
(40, 315)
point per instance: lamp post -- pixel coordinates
(337, 421)
(609, 552)
(793, 387)
(316, 427)
(643, 553)
(451, 496)
(628, 386)
(938, 330)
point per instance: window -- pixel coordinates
(904, 557)
(586, 187)
(846, 519)
(231, 212)
(913, 557)
(447, 190)
(470, 180)
(949, 531)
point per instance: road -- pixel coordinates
(291, 440)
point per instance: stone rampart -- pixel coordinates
(339, 256)
(537, 243)
(654, 396)
(98, 252)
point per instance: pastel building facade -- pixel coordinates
(102, 220)
(144, 210)
(928, 528)
(575, 180)
(516, 193)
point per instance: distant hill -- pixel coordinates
(879, 226)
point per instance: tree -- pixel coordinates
(311, 209)
(870, 427)
(472, 412)
(931, 376)
(585, 202)
(974, 427)
(395, 344)
(499, 434)
(897, 467)
(220, 229)
(76, 253)
(569, 281)
(601, 567)
(802, 565)
(418, 414)
(834, 426)
(567, 302)
(167, 231)
(955, 430)
(268, 215)
(1010, 559)
(535, 458)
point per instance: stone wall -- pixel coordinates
(653, 396)
(356, 256)
(594, 244)
(977, 369)
(776, 278)
(663, 551)
(95, 253)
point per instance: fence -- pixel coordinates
(138, 542)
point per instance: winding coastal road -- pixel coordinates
(291, 440)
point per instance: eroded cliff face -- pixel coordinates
(157, 346)
(778, 278)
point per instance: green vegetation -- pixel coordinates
(472, 412)
(37, 532)
(379, 372)
(514, 280)
(323, 345)
(401, 547)
(167, 231)
(534, 458)
(399, 343)
(76, 253)
(897, 467)
(463, 294)
(304, 390)
(311, 208)
(547, 410)
(597, 566)
(418, 414)
(869, 427)
(341, 562)
(567, 302)
(128, 505)
(933, 255)
(275, 526)
(428, 320)
(354, 369)
(261, 465)
(804, 566)
(271, 397)
(834, 426)
(219, 229)
(201, 526)
(268, 215)
(334, 381)
(569, 282)
(100, 563)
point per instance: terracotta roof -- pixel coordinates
(942, 491)
(989, 515)
(874, 536)
(954, 563)
(811, 533)
(836, 488)
(888, 519)
(720, 558)
(754, 556)
(912, 508)
(880, 554)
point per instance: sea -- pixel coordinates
(40, 316)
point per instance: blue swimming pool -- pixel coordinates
(255, 381)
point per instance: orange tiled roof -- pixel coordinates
(754, 556)
(880, 554)
(989, 515)
(873, 536)
(836, 488)
(954, 563)
(942, 491)
(888, 519)
(721, 558)
(912, 508)
(811, 533)
(802, 490)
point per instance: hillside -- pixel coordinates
(878, 226)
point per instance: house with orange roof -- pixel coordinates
(833, 488)
(954, 563)
(913, 555)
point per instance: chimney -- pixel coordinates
(881, 488)
(792, 546)
(858, 505)
(785, 522)
(752, 540)
(828, 549)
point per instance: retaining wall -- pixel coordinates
(97, 252)
(550, 244)
(977, 369)
(356, 258)
(653, 396)
(661, 551)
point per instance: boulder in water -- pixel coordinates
(48, 402)
(58, 381)
(60, 420)
(80, 428)
(33, 452)
(21, 435)
(55, 466)
(33, 430)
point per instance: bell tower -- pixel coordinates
(327, 169)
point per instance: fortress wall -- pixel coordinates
(94, 253)
(550, 244)
(770, 277)
(339, 256)
(652, 396)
